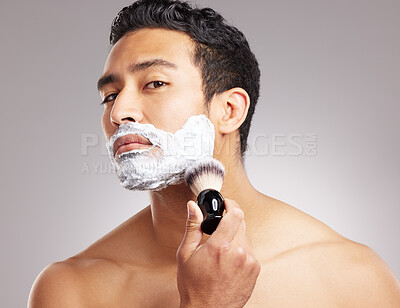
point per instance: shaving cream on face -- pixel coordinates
(165, 162)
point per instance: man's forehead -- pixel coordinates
(141, 45)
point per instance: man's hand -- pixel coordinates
(221, 272)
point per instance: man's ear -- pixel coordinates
(233, 110)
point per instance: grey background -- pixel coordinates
(330, 68)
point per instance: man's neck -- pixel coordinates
(169, 212)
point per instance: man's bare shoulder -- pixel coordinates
(60, 284)
(317, 265)
(358, 275)
(78, 282)
(96, 276)
(351, 273)
(55, 286)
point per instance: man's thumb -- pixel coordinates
(193, 233)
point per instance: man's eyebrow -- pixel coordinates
(151, 63)
(105, 80)
(133, 68)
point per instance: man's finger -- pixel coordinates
(229, 224)
(193, 233)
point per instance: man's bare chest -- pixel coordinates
(139, 288)
(290, 281)
(275, 287)
(158, 288)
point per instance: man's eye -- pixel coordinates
(109, 98)
(155, 84)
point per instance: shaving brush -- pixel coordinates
(205, 179)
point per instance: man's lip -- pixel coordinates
(130, 142)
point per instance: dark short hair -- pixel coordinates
(221, 50)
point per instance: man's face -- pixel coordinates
(149, 78)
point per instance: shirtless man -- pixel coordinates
(264, 253)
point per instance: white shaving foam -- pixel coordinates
(165, 162)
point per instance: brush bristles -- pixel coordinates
(205, 174)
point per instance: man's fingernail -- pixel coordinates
(190, 209)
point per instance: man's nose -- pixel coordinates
(126, 108)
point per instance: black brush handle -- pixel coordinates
(212, 205)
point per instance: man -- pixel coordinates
(169, 63)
